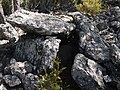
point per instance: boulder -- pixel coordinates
(40, 23)
(39, 51)
(87, 73)
(90, 41)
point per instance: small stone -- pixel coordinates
(12, 61)
(107, 79)
(12, 80)
(30, 82)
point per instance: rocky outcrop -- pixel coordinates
(99, 41)
(89, 46)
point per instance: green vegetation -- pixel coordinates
(92, 7)
(5, 4)
(52, 80)
(27, 4)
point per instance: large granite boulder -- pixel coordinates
(43, 24)
(90, 41)
(87, 73)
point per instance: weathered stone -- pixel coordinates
(2, 42)
(18, 68)
(30, 82)
(92, 44)
(90, 41)
(39, 23)
(107, 79)
(12, 80)
(115, 54)
(65, 18)
(7, 32)
(40, 52)
(109, 38)
(98, 38)
(102, 26)
(87, 73)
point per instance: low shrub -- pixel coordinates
(92, 7)
(52, 80)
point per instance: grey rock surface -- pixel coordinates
(18, 68)
(43, 37)
(40, 52)
(115, 53)
(43, 24)
(2, 87)
(12, 80)
(90, 41)
(7, 32)
(30, 82)
(87, 73)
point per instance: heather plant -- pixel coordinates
(92, 7)
(52, 80)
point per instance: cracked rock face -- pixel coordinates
(43, 24)
(40, 52)
(87, 73)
